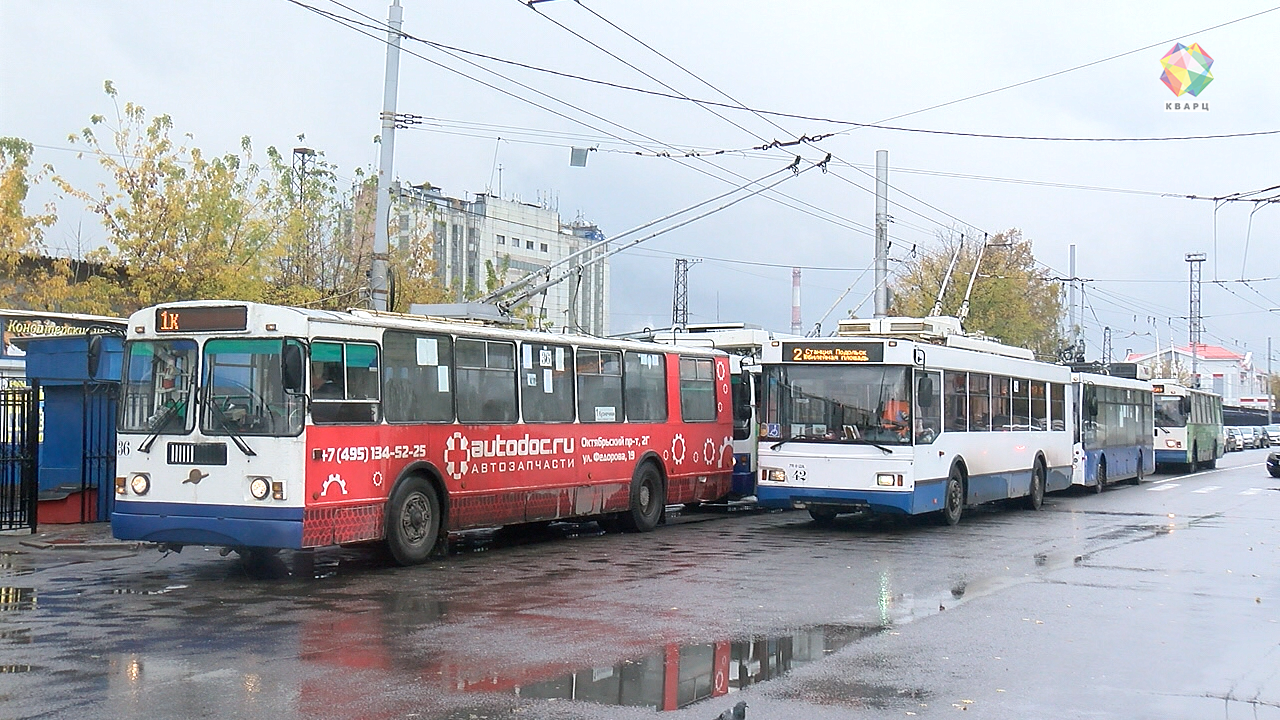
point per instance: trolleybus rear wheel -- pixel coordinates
(1035, 498)
(1102, 475)
(1137, 479)
(647, 499)
(413, 521)
(1194, 465)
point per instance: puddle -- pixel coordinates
(132, 591)
(679, 675)
(17, 599)
(17, 636)
(10, 568)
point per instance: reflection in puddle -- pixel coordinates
(5, 669)
(679, 675)
(17, 599)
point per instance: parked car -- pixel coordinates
(1259, 436)
(1273, 434)
(1235, 441)
(1273, 464)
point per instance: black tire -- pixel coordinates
(1102, 476)
(1137, 478)
(1212, 462)
(413, 521)
(648, 499)
(1274, 473)
(1194, 465)
(1035, 495)
(952, 498)
(822, 516)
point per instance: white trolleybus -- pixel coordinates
(253, 426)
(903, 415)
(1189, 432)
(1113, 430)
(744, 344)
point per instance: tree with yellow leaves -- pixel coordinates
(1013, 300)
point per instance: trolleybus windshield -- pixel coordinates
(159, 377)
(838, 403)
(1169, 411)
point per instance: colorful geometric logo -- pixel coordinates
(1186, 69)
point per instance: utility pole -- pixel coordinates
(1106, 348)
(882, 234)
(680, 294)
(1072, 328)
(1194, 260)
(382, 214)
(1271, 401)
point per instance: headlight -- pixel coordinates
(260, 488)
(888, 479)
(122, 487)
(773, 474)
(140, 483)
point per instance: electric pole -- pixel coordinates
(882, 234)
(680, 294)
(1194, 260)
(382, 214)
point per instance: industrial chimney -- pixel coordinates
(796, 327)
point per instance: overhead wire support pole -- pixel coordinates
(387, 140)
(1195, 260)
(882, 233)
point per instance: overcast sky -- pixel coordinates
(272, 70)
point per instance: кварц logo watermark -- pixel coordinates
(1186, 72)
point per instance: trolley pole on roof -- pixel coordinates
(382, 214)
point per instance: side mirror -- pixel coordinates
(1093, 407)
(291, 367)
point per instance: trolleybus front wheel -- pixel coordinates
(822, 516)
(1102, 476)
(413, 521)
(953, 499)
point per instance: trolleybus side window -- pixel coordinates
(417, 378)
(546, 382)
(159, 377)
(1039, 405)
(979, 401)
(244, 389)
(344, 382)
(1000, 419)
(644, 380)
(1057, 406)
(697, 389)
(599, 385)
(956, 398)
(486, 381)
(740, 394)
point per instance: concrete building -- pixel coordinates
(469, 237)
(1227, 373)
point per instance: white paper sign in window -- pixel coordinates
(428, 352)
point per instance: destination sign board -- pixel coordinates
(201, 319)
(821, 352)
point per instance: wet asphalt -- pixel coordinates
(1157, 601)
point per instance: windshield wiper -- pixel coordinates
(885, 449)
(212, 404)
(779, 444)
(156, 425)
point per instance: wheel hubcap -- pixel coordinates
(415, 518)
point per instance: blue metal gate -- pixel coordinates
(19, 452)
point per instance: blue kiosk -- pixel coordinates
(79, 378)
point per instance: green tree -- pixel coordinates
(1013, 300)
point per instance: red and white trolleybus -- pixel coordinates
(253, 426)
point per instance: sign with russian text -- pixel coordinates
(851, 352)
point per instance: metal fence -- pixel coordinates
(19, 452)
(98, 460)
